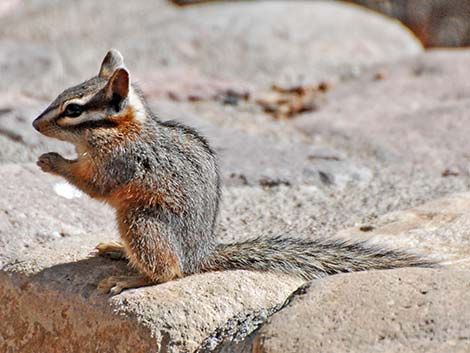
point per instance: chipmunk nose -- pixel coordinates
(37, 124)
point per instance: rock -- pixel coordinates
(48, 234)
(13, 151)
(29, 67)
(260, 42)
(405, 310)
(416, 117)
(19, 142)
(342, 166)
(58, 285)
(262, 160)
(56, 270)
(40, 60)
(437, 23)
(36, 210)
(365, 312)
(440, 227)
(270, 42)
(252, 160)
(7, 6)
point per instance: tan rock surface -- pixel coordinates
(440, 227)
(415, 117)
(209, 48)
(49, 275)
(37, 209)
(371, 149)
(49, 266)
(50, 301)
(406, 310)
(261, 42)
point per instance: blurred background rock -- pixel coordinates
(437, 23)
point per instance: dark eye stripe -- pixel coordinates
(97, 102)
(97, 124)
(73, 110)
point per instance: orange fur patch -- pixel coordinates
(166, 266)
(134, 193)
(83, 171)
(128, 124)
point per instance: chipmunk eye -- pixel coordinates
(73, 110)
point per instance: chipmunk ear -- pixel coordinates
(111, 62)
(117, 88)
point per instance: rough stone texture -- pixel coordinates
(49, 277)
(50, 300)
(437, 23)
(33, 214)
(264, 162)
(258, 42)
(331, 320)
(57, 272)
(406, 310)
(406, 113)
(376, 145)
(45, 320)
(440, 227)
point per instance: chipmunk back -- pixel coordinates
(162, 179)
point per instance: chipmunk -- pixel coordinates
(162, 179)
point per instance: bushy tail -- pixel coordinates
(308, 259)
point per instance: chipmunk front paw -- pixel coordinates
(49, 162)
(113, 250)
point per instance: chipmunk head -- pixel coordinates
(103, 107)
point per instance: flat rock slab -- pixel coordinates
(49, 300)
(238, 46)
(440, 227)
(260, 42)
(406, 310)
(49, 275)
(245, 159)
(407, 114)
(37, 209)
(403, 310)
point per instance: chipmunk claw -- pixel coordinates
(116, 289)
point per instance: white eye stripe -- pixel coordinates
(100, 115)
(84, 117)
(80, 101)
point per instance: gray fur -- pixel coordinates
(309, 259)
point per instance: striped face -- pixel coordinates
(93, 105)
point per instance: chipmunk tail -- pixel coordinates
(309, 259)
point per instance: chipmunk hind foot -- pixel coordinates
(116, 284)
